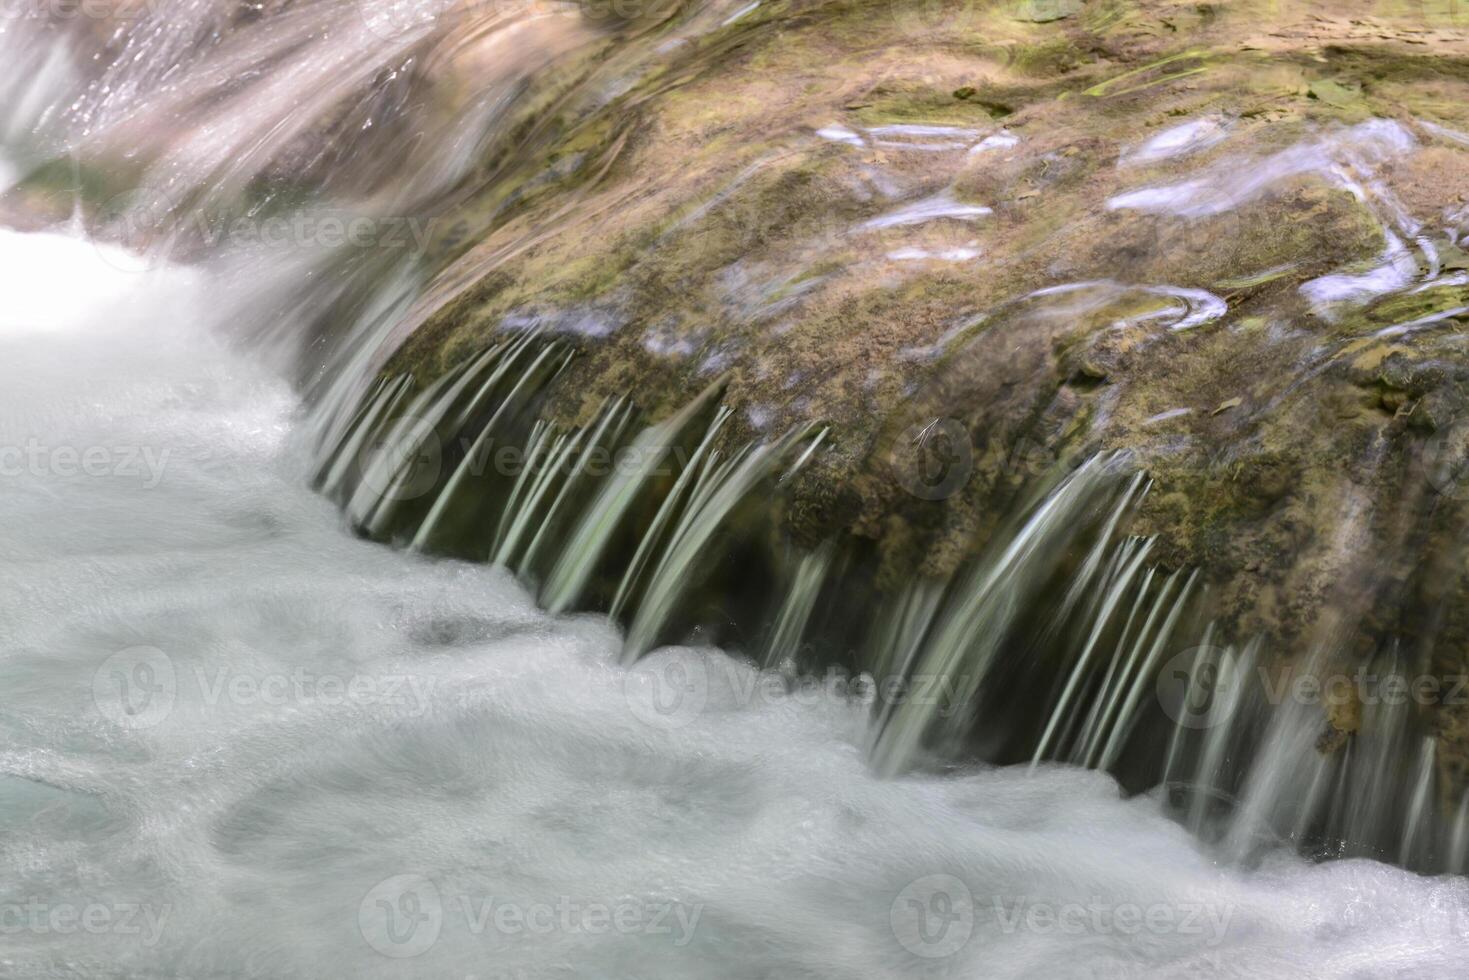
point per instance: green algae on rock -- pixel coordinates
(1225, 241)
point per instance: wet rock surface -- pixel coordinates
(1225, 239)
(974, 245)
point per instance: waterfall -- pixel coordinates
(593, 535)
(668, 490)
(630, 537)
(967, 635)
(1044, 634)
(800, 601)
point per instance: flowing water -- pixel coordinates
(242, 740)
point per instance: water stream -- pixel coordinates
(249, 744)
(243, 738)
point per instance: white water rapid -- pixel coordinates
(240, 742)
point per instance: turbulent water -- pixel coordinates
(242, 741)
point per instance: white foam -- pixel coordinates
(345, 760)
(929, 209)
(1444, 132)
(839, 134)
(1232, 183)
(1396, 269)
(56, 282)
(1201, 306)
(1413, 326)
(961, 253)
(1176, 141)
(911, 129)
(1002, 140)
